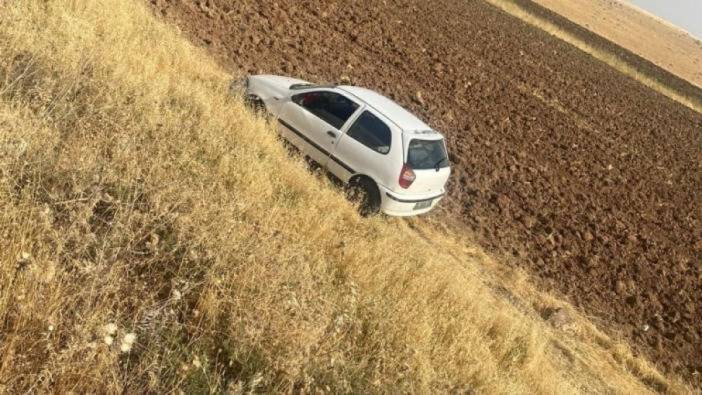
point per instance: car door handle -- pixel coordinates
(331, 134)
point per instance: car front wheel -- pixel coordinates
(255, 103)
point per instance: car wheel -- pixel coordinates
(238, 88)
(255, 103)
(364, 192)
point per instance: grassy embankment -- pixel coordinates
(156, 236)
(611, 59)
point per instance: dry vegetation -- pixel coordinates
(156, 236)
(610, 58)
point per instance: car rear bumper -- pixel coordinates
(407, 205)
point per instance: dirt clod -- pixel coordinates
(418, 98)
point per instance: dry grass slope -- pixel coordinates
(138, 200)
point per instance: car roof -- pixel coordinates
(404, 119)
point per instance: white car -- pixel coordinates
(397, 163)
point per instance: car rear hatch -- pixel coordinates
(426, 156)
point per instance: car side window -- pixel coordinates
(370, 131)
(331, 107)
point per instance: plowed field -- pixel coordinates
(584, 177)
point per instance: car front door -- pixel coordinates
(313, 121)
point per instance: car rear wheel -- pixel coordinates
(364, 192)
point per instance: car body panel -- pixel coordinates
(272, 90)
(405, 205)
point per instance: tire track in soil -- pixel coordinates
(569, 169)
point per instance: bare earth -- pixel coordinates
(642, 33)
(582, 176)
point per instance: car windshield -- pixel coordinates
(427, 154)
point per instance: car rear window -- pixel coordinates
(427, 154)
(371, 132)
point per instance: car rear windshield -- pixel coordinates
(427, 154)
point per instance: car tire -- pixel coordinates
(255, 103)
(364, 192)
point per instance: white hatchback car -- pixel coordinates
(397, 163)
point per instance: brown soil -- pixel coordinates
(621, 22)
(684, 58)
(588, 179)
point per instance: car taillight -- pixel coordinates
(407, 176)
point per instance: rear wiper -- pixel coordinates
(437, 165)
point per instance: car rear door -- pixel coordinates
(313, 120)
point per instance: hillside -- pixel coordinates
(156, 237)
(619, 21)
(627, 61)
(562, 165)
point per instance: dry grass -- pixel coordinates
(611, 59)
(157, 237)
